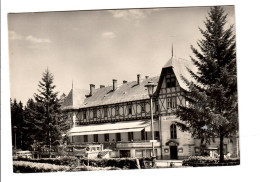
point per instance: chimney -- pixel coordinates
(102, 86)
(124, 81)
(146, 77)
(92, 87)
(114, 84)
(138, 79)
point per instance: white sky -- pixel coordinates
(98, 46)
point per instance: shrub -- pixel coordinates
(129, 163)
(208, 161)
(64, 161)
(32, 167)
(91, 168)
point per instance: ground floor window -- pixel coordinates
(95, 138)
(106, 137)
(124, 153)
(139, 153)
(85, 138)
(157, 135)
(118, 137)
(143, 134)
(130, 136)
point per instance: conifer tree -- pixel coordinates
(212, 110)
(32, 122)
(17, 124)
(48, 113)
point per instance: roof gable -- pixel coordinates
(179, 67)
(74, 99)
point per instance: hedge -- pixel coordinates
(32, 167)
(123, 163)
(64, 161)
(91, 168)
(197, 161)
(129, 163)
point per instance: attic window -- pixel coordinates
(170, 82)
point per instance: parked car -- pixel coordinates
(23, 154)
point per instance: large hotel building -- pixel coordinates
(119, 117)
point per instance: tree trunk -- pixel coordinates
(221, 152)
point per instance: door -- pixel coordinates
(173, 152)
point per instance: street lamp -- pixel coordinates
(150, 87)
(14, 129)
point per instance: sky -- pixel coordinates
(94, 47)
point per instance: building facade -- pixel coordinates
(119, 117)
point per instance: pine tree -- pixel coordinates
(33, 124)
(48, 113)
(212, 109)
(17, 124)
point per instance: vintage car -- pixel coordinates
(88, 151)
(23, 154)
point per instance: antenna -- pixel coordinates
(172, 49)
(173, 36)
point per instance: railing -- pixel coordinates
(143, 144)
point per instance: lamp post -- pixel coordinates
(150, 87)
(14, 129)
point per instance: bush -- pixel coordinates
(208, 161)
(32, 167)
(129, 163)
(64, 161)
(91, 168)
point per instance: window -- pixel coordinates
(138, 153)
(95, 137)
(173, 131)
(118, 137)
(105, 112)
(84, 115)
(129, 109)
(85, 138)
(143, 134)
(157, 135)
(106, 137)
(117, 110)
(130, 136)
(170, 82)
(94, 113)
(171, 102)
(143, 107)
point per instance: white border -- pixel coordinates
(247, 26)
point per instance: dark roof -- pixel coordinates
(126, 92)
(131, 91)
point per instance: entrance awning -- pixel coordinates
(105, 128)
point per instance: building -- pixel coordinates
(118, 116)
